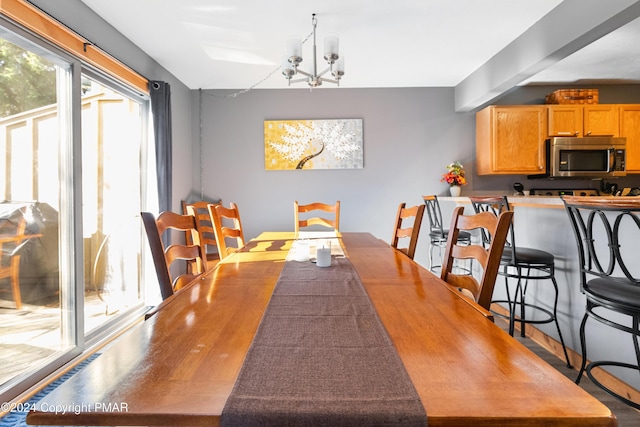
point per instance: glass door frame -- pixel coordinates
(70, 234)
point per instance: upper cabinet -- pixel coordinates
(630, 129)
(510, 139)
(583, 120)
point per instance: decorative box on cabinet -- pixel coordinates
(510, 139)
(583, 120)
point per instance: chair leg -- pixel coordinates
(583, 346)
(15, 281)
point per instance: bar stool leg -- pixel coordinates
(510, 303)
(636, 332)
(522, 293)
(431, 256)
(583, 345)
(519, 299)
(555, 318)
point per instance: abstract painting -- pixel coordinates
(313, 144)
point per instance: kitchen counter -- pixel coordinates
(530, 201)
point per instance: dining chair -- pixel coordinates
(487, 258)
(609, 278)
(437, 233)
(12, 235)
(164, 257)
(200, 210)
(301, 222)
(525, 265)
(402, 231)
(227, 225)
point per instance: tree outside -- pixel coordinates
(27, 80)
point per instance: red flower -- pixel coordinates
(455, 176)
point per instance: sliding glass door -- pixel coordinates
(72, 163)
(112, 134)
(34, 292)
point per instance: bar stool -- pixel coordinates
(524, 265)
(437, 233)
(606, 231)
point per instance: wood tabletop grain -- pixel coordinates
(179, 366)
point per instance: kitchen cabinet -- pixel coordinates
(510, 139)
(630, 128)
(583, 120)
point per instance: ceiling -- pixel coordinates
(238, 44)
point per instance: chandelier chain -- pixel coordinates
(259, 82)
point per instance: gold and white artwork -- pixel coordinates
(313, 144)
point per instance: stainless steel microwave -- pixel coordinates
(588, 157)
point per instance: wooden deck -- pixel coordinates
(32, 334)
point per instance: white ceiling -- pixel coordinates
(237, 44)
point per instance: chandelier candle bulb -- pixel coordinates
(338, 69)
(287, 67)
(331, 48)
(294, 50)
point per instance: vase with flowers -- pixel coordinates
(454, 177)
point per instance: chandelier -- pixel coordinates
(293, 58)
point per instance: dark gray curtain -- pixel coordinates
(161, 110)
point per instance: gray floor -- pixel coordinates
(626, 415)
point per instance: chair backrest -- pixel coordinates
(12, 234)
(487, 258)
(605, 229)
(164, 257)
(400, 231)
(200, 210)
(316, 220)
(434, 215)
(496, 205)
(227, 225)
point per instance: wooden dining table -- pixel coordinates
(180, 366)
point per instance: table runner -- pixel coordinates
(321, 356)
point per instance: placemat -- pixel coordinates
(321, 356)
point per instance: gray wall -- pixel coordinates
(410, 134)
